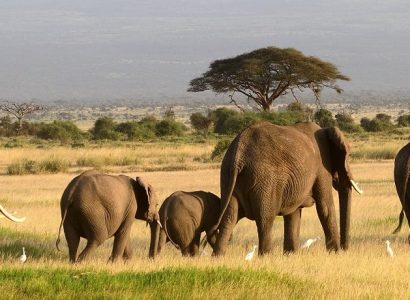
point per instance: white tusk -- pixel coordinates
(159, 223)
(356, 186)
(11, 217)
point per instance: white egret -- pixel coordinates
(389, 249)
(23, 257)
(249, 255)
(309, 242)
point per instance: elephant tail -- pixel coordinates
(169, 237)
(226, 195)
(401, 217)
(59, 230)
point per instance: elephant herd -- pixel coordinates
(267, 171)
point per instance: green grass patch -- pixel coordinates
(168, 283)
(374, 154)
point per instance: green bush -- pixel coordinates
(219, 116)
(63, 131)
(201, 123)
(169, 126)
(283, 118)
(305, 112)
(220, 149)
(324, 118)
(346, 123)
(104, 129)
(135, 131)
(381, 122)
(403, 121)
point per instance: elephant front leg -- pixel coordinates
(228, 222)
(327, 216)
(291, 231)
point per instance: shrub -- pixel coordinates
(324, 118)
(201, 123)
(306, 113)
(381, 122)
(53, 165)
(220, 149)
(135, 131)
(346, 123)
(219, 116)
(104, 129)
(403, 121)
(283, 118)
(63, 131)
(169, 126)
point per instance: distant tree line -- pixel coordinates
(221, 121)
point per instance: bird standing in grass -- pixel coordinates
(309, 242)
(389, 250)
(249, 256)
(23, 257)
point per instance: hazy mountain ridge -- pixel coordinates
(127, 49)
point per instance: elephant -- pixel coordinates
(401, 179)
(184, 216)
(270, 170)
(9, 216)
(97, 206)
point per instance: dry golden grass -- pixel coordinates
(363, 271)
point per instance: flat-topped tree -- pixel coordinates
(19, 110)
(265, 74)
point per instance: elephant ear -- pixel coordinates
(339, 151)
(143, 193)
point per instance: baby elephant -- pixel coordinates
(184, 216)
(97, 206)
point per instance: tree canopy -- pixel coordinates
(265, 74)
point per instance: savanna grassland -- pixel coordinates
(364, 271)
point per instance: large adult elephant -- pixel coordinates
(271, 170)
(401, 179)
(97, 206)
(9, 216)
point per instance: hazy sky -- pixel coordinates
(96, 49)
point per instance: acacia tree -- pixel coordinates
(265, 74)
(19, 110)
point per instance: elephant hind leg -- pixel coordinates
(121, 240)
(194, 246)
(291, 231)
(73, 240)
(265, 226)
(89, 248)
(127, 252)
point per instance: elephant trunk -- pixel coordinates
(155, 230)
(345, 197)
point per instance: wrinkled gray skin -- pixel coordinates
(271, 170)
(402, 181)
(97, 206)
(184, 216)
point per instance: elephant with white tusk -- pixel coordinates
(271, 170)
(10, 216)
(97, 206)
